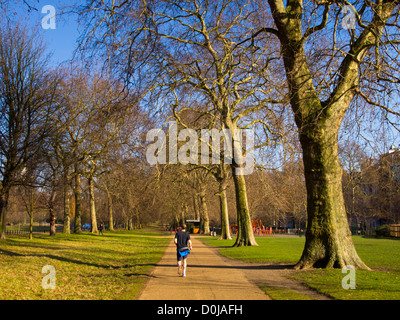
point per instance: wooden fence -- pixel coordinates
(395, 230)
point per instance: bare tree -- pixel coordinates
(93, 118)
(325, 69)
(196, 51)
(26, 90)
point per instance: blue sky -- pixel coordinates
(60, 41)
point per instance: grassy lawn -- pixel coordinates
(382, 255)
(112, 266)
(270, 249)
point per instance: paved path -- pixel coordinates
(209, 277)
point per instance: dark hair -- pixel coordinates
(183, 226)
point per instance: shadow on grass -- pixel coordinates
(134, 274)
(69, 260)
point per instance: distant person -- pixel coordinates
(183, 247)
(101, 227)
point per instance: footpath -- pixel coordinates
(209, 276)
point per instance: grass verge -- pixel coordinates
(112, 266)
(382, 255)
(279, 293)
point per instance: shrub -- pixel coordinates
(383, 231)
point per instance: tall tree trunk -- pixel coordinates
(222, 177)
(196, 206)
(31, 215)
(245, 235)
(182, 218)
(92, 204)
(328, 237)
(52, 216)
(110, 210)
(52, 222)
(77, 194)
(137, 215)
(225, 233)
(3, 212)
(205, 224)
(130, 223)
(31, 226)
(67, 194)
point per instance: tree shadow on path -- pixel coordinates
(243, 267)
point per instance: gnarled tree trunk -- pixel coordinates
(328, 237)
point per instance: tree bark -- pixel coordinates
(3, 212)
(245, 235)
(52, 222)
(31, 215)
(110, 210)
(129, 223)
(328, 237)
(77, 191)
(67, 218)
(205, 226)
(4, 196)
(196, 206)
(225, 233)
(222, 177)
(52, 216)
(92, 204)
(137, 216)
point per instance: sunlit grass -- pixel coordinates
(382, 255)
(112, 266)
(279, 293)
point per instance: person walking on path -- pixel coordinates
(183, 247)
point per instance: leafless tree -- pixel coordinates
(186, 52)
(327, 67)
(26, 90)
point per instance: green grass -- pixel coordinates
(112, 266)
(370, 285)
(270, 249)
(382, 255)
(278, 293)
